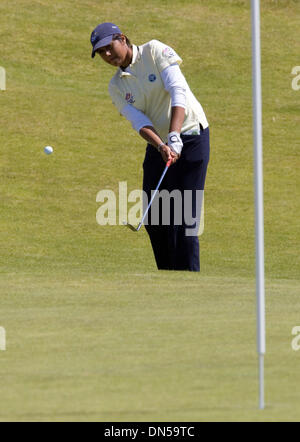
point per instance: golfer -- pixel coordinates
(150, 90)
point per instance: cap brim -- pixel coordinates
(104, 42)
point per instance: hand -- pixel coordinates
(175, 142)
(167, 154)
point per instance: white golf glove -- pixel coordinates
(174, 142)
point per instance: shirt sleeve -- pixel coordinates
(175, 84)
(137, 118)
(116, 96)
(163, 55)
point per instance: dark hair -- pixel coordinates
(118, 37)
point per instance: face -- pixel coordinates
(115, 53)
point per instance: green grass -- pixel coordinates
(137, 347)
(94, 332)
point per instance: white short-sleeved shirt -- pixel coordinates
(140, 85)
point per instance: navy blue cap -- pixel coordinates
(102, 35)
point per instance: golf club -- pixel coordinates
(136, 229)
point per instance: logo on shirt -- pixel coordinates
(168, 52)
(152, 77)
(129, 98)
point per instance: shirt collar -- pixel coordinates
(135, 53)
(135, 57)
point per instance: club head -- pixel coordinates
(130, 227)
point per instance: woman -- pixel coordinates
(151, 92)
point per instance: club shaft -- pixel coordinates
(153, 196)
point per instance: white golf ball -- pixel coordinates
(48, 150)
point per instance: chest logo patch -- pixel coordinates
(129, 98)
(152, 77)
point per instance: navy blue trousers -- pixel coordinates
(173, 249)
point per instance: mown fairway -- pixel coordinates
(94, 331)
